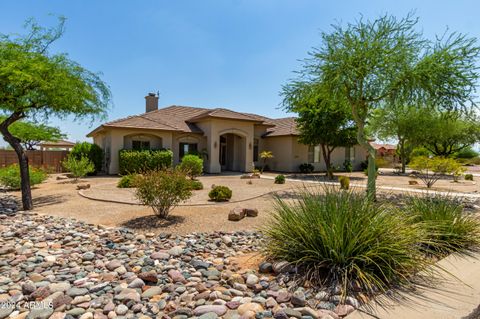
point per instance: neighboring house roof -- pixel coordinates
(385, 146)
(59, 143)
(183, 118)
(283, 126)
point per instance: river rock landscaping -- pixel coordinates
(77, 270)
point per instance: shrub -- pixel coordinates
(420, 151)
(128, 181)
(447, 228)
(347, 166)
(192, 165)
(10, 176)
(431, 169)
(467, 152)
(306, 168)
(195, 185)
(342, 238)
(220, 193)
(91, 151)
(469, 177)
(78, 167)
(344, 182)
(162, 190)
(132, 161)
(280, 179)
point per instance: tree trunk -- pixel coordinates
(22, 160)
(327, 158)
(403, 155)
(362, 140)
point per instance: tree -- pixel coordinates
(35, 83)
(405, 124)
(319, 122)
(265, 155)
(450, 132)
(431, 169)
(31, 134)
(371, 65)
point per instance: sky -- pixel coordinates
(235, 54)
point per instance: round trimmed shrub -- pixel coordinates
(280, 179)
(127, 181)
(220, 194)
(344, 182)
(91, 151)
(192, 165)
(195, 185)
(468, 177)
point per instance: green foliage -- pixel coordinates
(10, 176)
(419, 151)
(280, 179)
(128, 181)
(468, 177)
(347, 166)
(467, 153)
(195, 184)
(386, 62)
(306, 168)
(344, 182)
(91, 151)
(220, 194)
(31, 134)
(319, 120)
(34, 83)
(447, 227)
(163, 190)
(450, 132)
(342, 238)
(192, 165)
(131, 161)
(78, 167)
(431, 169)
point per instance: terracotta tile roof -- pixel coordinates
(283, 126)
(385, 146)
(182, 118)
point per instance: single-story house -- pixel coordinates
(232, 141)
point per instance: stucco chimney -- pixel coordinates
(151, 102)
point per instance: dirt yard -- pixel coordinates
(61, 198)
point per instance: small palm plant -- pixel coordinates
(265, 155)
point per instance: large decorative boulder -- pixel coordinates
(251, 212)
(236, 214)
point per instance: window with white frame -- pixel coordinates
(314, 154)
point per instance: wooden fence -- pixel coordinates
(50, 160)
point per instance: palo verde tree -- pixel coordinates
(370, 65)
(450, 132)
(405, 124)
(31, 134)
(35, 83)
(319, 122)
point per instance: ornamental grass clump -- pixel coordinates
(447, 227)
(343, 239)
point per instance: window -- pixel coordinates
(186, 148)
(255, 149)
(350, 154)
(314, 154)
(140, 145)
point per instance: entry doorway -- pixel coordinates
(232, 152)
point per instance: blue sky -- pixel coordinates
(225, 53)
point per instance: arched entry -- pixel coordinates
(232, 152)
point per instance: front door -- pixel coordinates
(223, 153)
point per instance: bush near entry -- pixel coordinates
(192, 165)
(306, 168)
(133, 161)
(78, 167)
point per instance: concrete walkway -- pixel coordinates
(453, 298)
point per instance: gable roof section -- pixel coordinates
(182, 119)
(283, 127)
